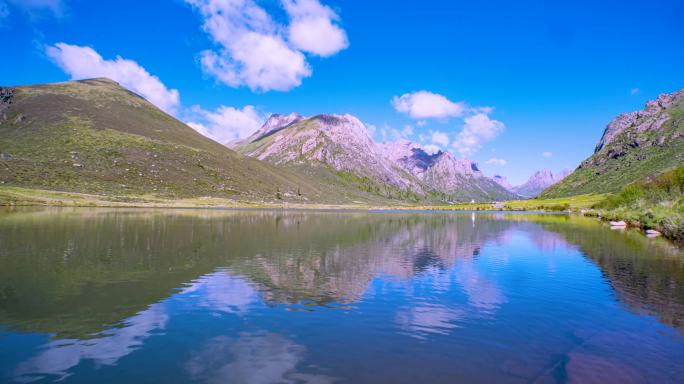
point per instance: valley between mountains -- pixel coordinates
(96, 137)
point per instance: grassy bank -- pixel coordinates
(563, 204)
(653, 204)
(16, 196)
(656, 203)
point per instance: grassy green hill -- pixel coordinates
(649, 142)
(95, 136)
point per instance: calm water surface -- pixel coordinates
(175, 296)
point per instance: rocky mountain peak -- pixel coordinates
(633, 146)
(277, 122)
(342, 143)
(502, 181)
(345, 124)
(539, 181)
(459, 166)
(408, 155)
(651, 118)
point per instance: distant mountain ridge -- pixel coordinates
(502, 181)
(342, 144)
(633, 146)
(443, 173)
(538, 182)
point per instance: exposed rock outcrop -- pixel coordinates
(442, 172)
(503, 181)
(339, 142)
(634, 145)
(342, 143)
(651, 118)
(6, 99)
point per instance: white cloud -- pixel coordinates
(440, 138)
(261, 62)
(485, 110)
(425, 105)
(421, 123)
(404, 133)
(253, 50)
(634, 91)
(226, 123)
(312, 28)
(200, 128)
(496, 161)
(431, 149)
(477, 130)
(547, 154)
(84, 62)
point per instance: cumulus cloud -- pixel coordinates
(477, 130)
(254, 51)
(547, 154)
(431, 149)
(84, 62)
(404, 133)
(496, 161)
(226, 123)
(312, 28)
(425, 105)
(440, 138)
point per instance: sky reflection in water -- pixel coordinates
(269, 297)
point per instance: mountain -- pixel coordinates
(442, 173)
(95, 136)
(335, 148)
(503, 181)
(634, 146)
(340, 146)
(538, 182)
(274, 123)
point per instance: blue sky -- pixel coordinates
(501, 80)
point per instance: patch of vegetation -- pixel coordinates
(368, 185)
(94, 136)
(654, 203)
(564, 204)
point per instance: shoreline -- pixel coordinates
(577, 205)
(19, 196)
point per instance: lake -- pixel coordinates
(226, 296)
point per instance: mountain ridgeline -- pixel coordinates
(634, 146)
(538, 182)
(339, 148)
(94, 136)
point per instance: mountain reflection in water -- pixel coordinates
(271, 296)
